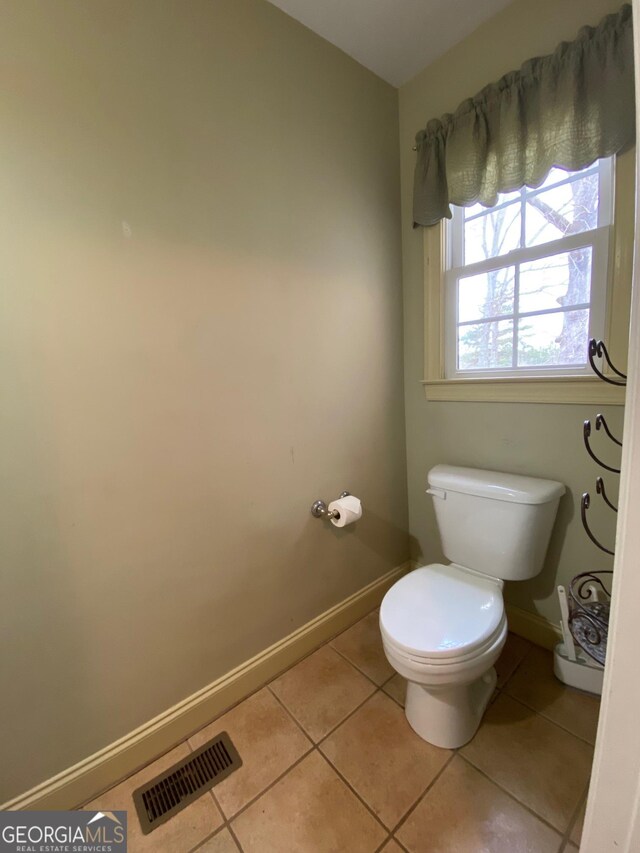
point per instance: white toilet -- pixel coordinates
(443, 627)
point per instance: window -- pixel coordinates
(526, 279)
(499, 281)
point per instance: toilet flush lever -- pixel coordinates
(437, 493)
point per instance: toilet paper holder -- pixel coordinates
(319, 508)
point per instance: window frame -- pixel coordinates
(597, 238)
(560, 386)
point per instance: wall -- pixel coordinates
(200, 335)
(541, 440)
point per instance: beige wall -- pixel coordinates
(174, 400)
(542, 440)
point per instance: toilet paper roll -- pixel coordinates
(349, 509)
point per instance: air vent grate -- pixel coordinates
(173, 790)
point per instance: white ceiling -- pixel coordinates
(393, 38)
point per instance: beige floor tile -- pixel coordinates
(321, 691)
(362, 645)
(543, 766)
(310, 810)
(576, 831)
(222, 842)
(384, 760)
(268, 741)
(466, 813)
(512, 655)
(535, 684)
(396, 688)
(181, 832)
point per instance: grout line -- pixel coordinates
(224, 825)
(574, 819)
(208, 838)
(391, 677)
(316, 747)
(225, 822)
(397, 701)
(215, 800)
(290, 714)
(348, 717)
(269, 786)
(555, 723)
(400, 844)
(359, 796)
(235, 838)
(548, 720)
(218, 829)
(517, 666)
(512, 796)
(361, 671)
(383, 845)
(228, 821)
(426, 789)
(331, 731)
(424, 793)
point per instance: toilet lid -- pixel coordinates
(441, 612)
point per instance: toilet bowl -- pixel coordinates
(443, 629)
(443, 626)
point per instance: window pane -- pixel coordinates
(485, 345)
(555, 176)
(567, 209)
(494, 233)
(559, 280)
(481, 208)
(486, 295)
(553, 339)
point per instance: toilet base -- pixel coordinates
(449, 717)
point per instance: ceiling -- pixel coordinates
(393, 38)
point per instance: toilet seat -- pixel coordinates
(443, 615)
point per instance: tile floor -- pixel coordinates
(331, 764)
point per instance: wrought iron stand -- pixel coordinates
(585, 611)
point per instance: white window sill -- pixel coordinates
(586, 390)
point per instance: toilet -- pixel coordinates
(443, 626)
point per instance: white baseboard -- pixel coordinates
(100, 771)
(533, 627)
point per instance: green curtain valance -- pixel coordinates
(566, 109)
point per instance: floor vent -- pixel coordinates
(173, 790)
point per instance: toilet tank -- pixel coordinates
(498, 524)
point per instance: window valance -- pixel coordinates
(566, 109)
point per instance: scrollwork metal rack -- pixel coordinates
(590, 592)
